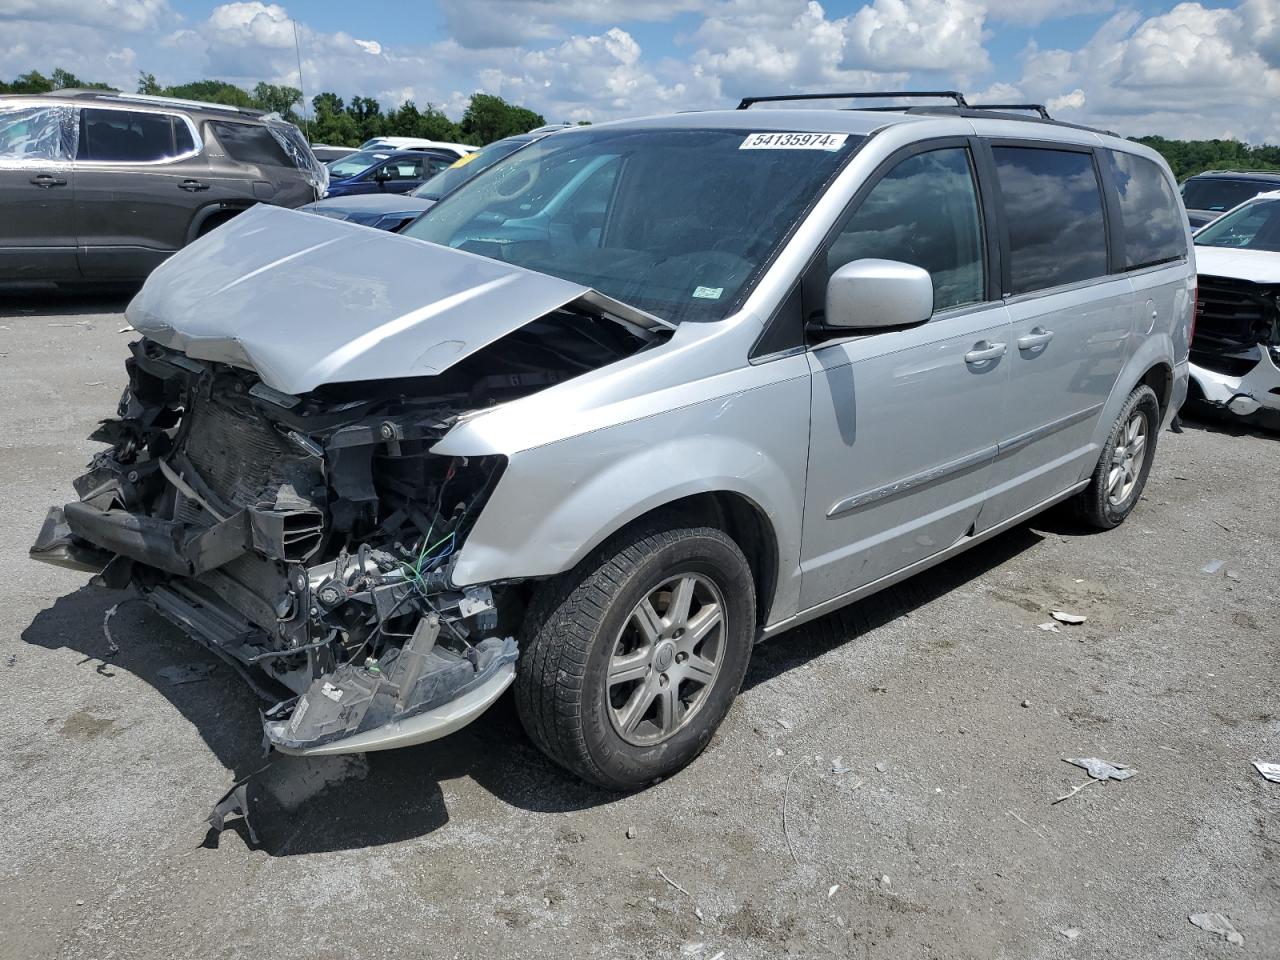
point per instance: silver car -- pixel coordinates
(633, 399)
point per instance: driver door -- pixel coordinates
(905, 422)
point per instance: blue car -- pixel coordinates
(387, 212)
(384, 171)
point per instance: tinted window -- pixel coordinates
(1218, 193)
(127, 136)
(1053, 209)
(355, 163)
(249, 143)
(1152, 226)
(924, 212)
(1253, 227)
(681, 225)
(464, 168)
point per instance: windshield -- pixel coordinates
(675, 222)
(449, 179)
(1252, 227)
(356, 163)
(1212, 193)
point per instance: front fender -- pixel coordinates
(555, 503)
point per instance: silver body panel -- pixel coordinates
(871, 456)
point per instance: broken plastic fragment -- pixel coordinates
(181, 673)
(1218, 924)
(1213, 566)
(1063, 616)
(1270, 771)
(235, 802)
(1103, 769)
(1050, 627)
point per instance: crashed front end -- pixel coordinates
(306, 539)
(269, 484)
(1235, 355)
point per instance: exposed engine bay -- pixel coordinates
(1235, 354)
(308, 539)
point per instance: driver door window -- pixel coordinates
(924, 212)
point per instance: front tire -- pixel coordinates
(630, 661)
(1121, 473)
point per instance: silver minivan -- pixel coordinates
(633, 399)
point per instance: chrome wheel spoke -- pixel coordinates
(647, 621)
(669, 709)
(1114, 479)
(681, 599)
(629, 667)
(637, 705)
(706, 620)
(700, 670)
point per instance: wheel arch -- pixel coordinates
(213, 215)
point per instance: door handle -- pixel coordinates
(983, 351)
(1038, 337)
(193, 185)
(47, 180)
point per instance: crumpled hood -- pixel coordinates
(1256, 266)
(306, 300)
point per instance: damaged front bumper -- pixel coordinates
(306, 541)
(1235, 354)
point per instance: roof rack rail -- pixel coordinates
(1033, 107)
(119, 96)
(866, 95)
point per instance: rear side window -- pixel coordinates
(1151, 222)
(249, 143)
(1053, 211)
(924, 212)
(1221, 193)
(128, 136)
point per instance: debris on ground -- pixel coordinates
(881, 766)
(1062, 616)
(831, 891)
(838, 767)
(1213, 566)
(1269, 771)
(1232, 574)
(1070, 932)
(1050, 627)
(112, 649)
(1026, 703)
(1102, 769)
(784, 724)
(1218, 924)
(631, 833)
(235, 802)
(11, 660)
(181, 673)
(1073, 791)
(885, 881)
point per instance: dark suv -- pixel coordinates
(1210, 194)
(104, 186)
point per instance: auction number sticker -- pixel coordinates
(793, 141)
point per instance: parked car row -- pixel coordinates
(628, 400)
(103, 186)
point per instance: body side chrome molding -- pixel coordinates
(804, 616)
(979, 458)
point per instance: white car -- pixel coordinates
(1235, 356)
(416, 143)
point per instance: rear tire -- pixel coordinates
(1121, 473)
(630, 661)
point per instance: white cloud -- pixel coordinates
(369, 46)
(129, 15)
(934, 35)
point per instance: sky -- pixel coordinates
(1190, 70)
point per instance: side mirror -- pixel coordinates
(874, 294)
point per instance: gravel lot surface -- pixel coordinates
(883, 787)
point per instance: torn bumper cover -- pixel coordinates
(1235, 356)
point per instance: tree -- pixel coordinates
(490, 118)
(277, 99)
(212, 91)
(147, 84)
(32, 82)
(66, 80)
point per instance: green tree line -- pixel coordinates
(332, 120)
(335, 121)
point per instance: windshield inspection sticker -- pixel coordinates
(708, 293)
(793, 141)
